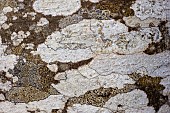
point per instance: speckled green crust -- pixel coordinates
(25, 94)
(30, 74)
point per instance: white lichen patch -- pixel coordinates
(90, 37)
(75, 84)
(8, 75)
(64, 55)
(132, 102)
(164, 109)
(78, 83)
(7, 9)
(60, 76)
(3, 18)
(52, 102)
(141, 110)
(162, 71)
(32, 14)
(6, 61)
(149, 8)
(2, 97)
(46, 105)
(6, 26)
(9, 107)
(14, 79)
(78, 108)
(135, 41)
(29, 46)
(53, 67)
(57, 7)
(17, 38)
(42, 22)
(166, 83)
(127, 64)
(5, 86)
(20, 0)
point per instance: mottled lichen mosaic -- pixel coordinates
(84, 56)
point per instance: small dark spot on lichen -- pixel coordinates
(119, 105)
(54, 110)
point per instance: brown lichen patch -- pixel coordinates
(55, 111)
(163, 44)
(3, 78)
(117, 6)
(135, 76)
(31, 111)
(152, 87)
(5, 3)
(24, 53)
(64, 66)
(107, 9)
(34, 111)
(25, 94)
(97, 97)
